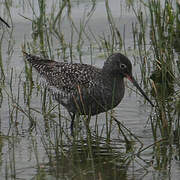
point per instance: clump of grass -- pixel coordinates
(158, 57)
(163, 23)
(114, 40)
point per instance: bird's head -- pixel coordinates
(119, 66)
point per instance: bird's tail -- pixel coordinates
(30, 58)
(37, 62)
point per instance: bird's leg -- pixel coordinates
(72, 123)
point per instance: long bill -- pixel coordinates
(131, 78)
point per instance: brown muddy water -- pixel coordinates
(35, 140)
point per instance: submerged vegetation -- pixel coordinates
(107, 147)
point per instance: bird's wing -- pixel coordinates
(64, 77)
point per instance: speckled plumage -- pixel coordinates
(84, 89)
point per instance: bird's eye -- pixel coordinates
(123, 66)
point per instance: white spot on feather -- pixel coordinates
(62, 96)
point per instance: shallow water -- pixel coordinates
(23, 153)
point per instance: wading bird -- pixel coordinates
(84, 89)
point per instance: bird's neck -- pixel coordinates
(114, 88)
(113, 80)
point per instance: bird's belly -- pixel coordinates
(92, 104)
(106, 102)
